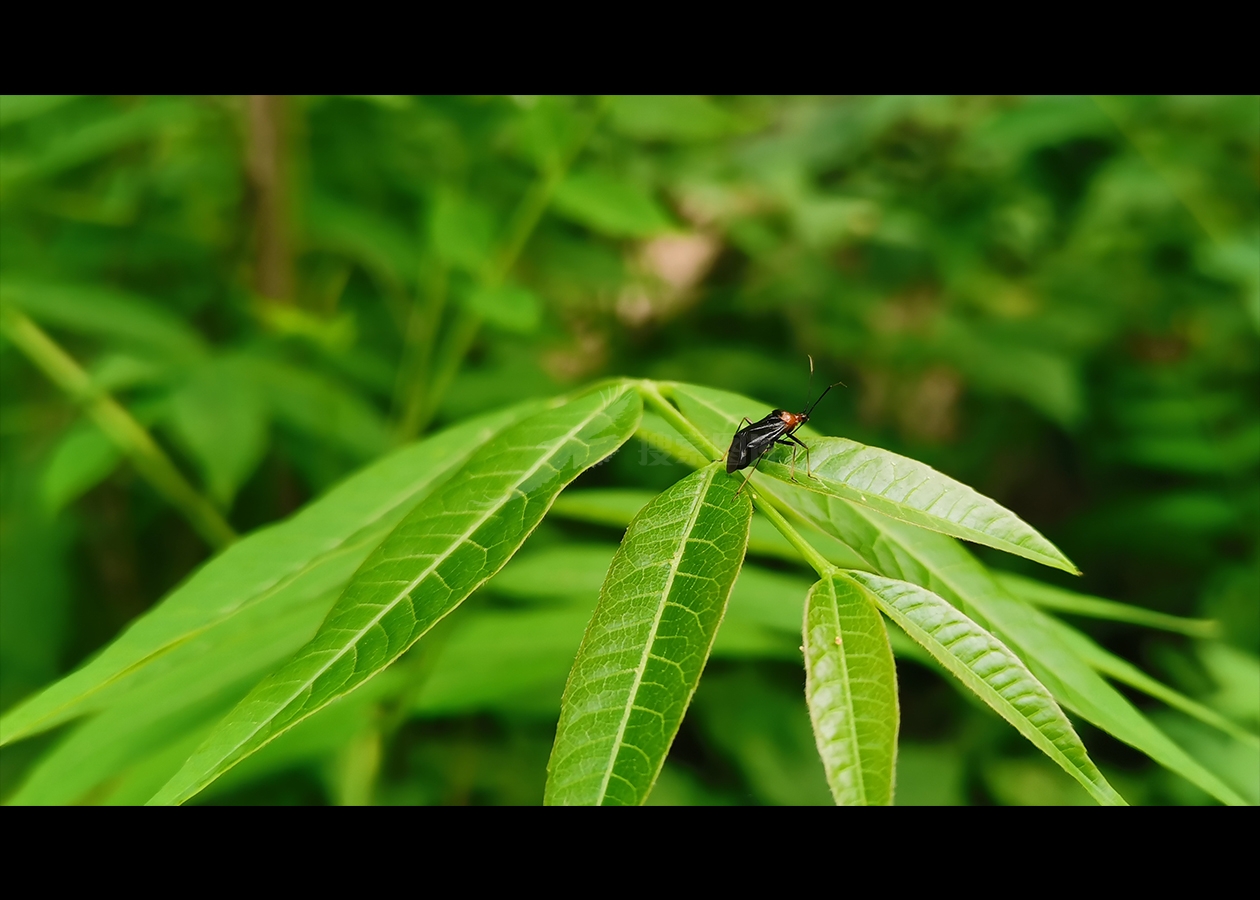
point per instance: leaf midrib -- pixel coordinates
(307, 682)
(851, 719)
(656, 622)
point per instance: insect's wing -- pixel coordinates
(737, 456)
(762, 435)
(750, 442)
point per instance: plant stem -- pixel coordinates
(118, 425)
(412, 386)
(651, 395)
(815, 559)
(525, 219)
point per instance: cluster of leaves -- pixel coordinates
(1074, 285)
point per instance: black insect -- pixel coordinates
(753, 440)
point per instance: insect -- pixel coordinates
(753, 440)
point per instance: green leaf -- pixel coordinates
(80, 461)
(104, 312)
(379, 245)
(451, 543)
(506, 306)
(617, 506)
(610, 206)
(287, 565)
(851, 689)
(945, 567)
(567, 570)
(513, 661)
(676, 117)
(323, 408)
(893, 485)
(652, 632)
(462, 230)
(219, 415)
(983, 663)
(1124, 671)
(940, 564)
(1060, 600)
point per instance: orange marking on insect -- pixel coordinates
(792, 420)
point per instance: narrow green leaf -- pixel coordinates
(611, 206)
(320, 406)
(283, 566)
(893, 485)
(82, 459)
(641, 659)
(107, 313)
(900, 550)
(1060, 600)
(1124, 671)
(998, 677)
(851, 689)
(220, 418)
(451, 543)
(946, 568)
(509, 307)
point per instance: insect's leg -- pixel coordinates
(748, 477)
(798, 442)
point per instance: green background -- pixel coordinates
(1054, 300)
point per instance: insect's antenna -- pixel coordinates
(809, 412)
(809, 385)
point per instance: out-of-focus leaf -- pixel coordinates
(379, 245)
(567, 570)
(463, 232)
(452, 542)
(648, 642)
(318, 406)
(1039, 122)
(898, 487)
(220, 416)
(1237, 676)
(506, 306)
(851, 689)
(761, 726)
(1124, 671)
(675, 117)
(610, 206)
(1046, 380)
(35, 612)
(91, 140)
(505, 661)
(930, 775)
(103, 312)
(286, 565)
(16, 107)
(997, 675)
(80, 461)
(1055, 598)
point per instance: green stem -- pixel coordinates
(651, 393)
(412, 387)
(815, 559)
(652, 396)
(118, 425)
(525, 220)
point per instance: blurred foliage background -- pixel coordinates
(1054, 300)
